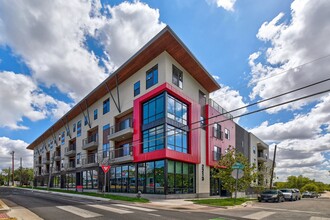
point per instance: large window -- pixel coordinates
(154, 109)
(227, 134)
(106, 106)
(78, 128)
(177, 76)
(180, 177)
(177, 139)
(95, 114)
(216, 153)
(153, 139)
(217, 131)
(176, 110)
(137, 88)
(152, 77)
(90, 179)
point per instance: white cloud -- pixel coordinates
(8, 145)
(229, 99)
(225, 4)
(302, 39)
(20, 97)
(130, 27)
(302, 126)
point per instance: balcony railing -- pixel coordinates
(121, 154)
(90, 160)
(71, 165)
(262, 157)
(57, 156)
(221, 110)
(91, 142)
(38, 163)
(122, 130)
(46, 160)
(56, 169)
(71, 150)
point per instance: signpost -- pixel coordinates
(237, 174)
(105, 170)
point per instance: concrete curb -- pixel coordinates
(68, 194)
(3, 207)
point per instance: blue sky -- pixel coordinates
(54, 53)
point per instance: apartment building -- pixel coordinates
(152, 121)
(257, 153)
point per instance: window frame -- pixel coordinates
(227, 133)
(177, 76)
(152, 76)
(95, 114)
(106, 106)
(136, 88)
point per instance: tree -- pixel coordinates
(310, 187)
(223, 171)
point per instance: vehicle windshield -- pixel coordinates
(269, 192)
(286, 190)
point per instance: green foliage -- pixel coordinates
(310, 187)
(221, 202)
(223, 171)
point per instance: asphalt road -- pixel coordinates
(58, 207)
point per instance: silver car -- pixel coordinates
(289, 194)
(298, 194)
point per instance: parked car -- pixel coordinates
(298, 194)
(307, 194)
(314, 195)
(289, 194)
(272, 195)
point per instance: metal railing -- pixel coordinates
(90, 159)
(71, 164)
(90, 139)
(221, 110)
(121, 152)
(127, 123)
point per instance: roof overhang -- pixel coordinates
(165, 40)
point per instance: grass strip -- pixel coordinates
(95, 194)
(221, 202)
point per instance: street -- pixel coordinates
(53, 206)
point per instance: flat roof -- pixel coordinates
(165, 40)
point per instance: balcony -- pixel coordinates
(70, 166)
(38, 164)
(56, 169)
(221, 110)
(121, 154)
(91, 142)
(90, 161)
(121, 131)
(262, 157)
(57, 156)
(71, 150)
(46, 161)
(262, 146)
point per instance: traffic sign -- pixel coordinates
(237, 165)
(105, 168)
(237, 174)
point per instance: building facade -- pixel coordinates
(152, 121)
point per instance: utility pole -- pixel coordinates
(8, 176)
(12, 166)
(271, 177)
(20, 169)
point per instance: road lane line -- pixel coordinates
(259, 215)
(318, 218)
(108, 208)
(154, 215)
(287, 210)
(136, 208)
(78, 211)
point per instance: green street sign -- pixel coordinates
(237, 165)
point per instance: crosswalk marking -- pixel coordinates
(78, 211)
(136, 208)
(318, 218)
(259, 215)
(108, 208)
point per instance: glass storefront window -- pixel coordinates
(170, 177)
(118, 179)
(141, 176)
(150, 184)
(132, 182)
(124, 178)
(112, 179)
(159, 177)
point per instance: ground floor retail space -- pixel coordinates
(164, 177)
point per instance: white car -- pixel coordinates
(289, 194)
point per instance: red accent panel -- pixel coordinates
(212, 141)
(193, 138)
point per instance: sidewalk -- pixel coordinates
(15, 212)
